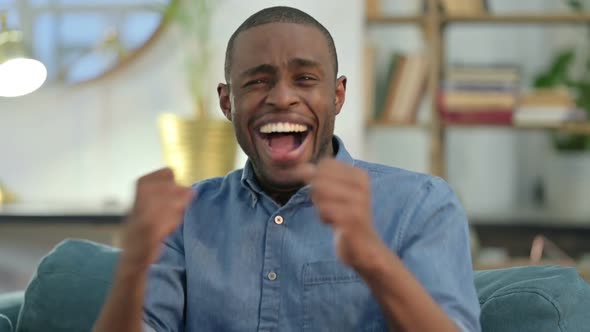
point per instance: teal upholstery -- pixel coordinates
(70, 286)
(533, 298)
(10, 304)
(72, 281)
(5, 325)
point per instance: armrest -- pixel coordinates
(10, 304)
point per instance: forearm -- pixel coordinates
(406, 304)
(123, 309)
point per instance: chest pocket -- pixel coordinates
(336, 299)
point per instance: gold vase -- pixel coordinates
(197, 149)
(6, 196)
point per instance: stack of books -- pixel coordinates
(484, 95)
(547, 107)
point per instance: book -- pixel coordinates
(407, 90)
(547, 116)
(547, 97)
(474, 100)
(385, 93)
(497, 117)
(369, 82)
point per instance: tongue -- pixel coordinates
(282, 143)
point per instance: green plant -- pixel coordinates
(192, 19)
(560, 73)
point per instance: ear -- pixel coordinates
(224, 101)
(340, 94)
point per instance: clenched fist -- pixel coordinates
(341, 194)
(157, 211)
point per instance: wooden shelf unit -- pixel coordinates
(433, 23)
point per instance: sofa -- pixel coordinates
(72, 281)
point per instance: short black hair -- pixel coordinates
(279, 14)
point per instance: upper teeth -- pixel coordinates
(282, 127)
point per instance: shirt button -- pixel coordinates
(272, 276)
(278, 220)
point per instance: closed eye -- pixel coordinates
(255, 82)
(306, 78)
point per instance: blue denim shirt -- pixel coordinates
(241, 262)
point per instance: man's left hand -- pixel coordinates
(342, 196)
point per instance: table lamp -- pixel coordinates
(19, 74)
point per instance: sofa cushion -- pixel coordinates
(5, 325)
(69, 288)
(10, 304)
(533, 298)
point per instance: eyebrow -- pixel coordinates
(270, 69)
(301, 62)
(261, 69)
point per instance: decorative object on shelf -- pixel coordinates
(84, 40)
(199, 146)
(19, 74)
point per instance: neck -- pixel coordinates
(282, 195)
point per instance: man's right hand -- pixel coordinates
(158, 210)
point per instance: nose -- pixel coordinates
(282, 95)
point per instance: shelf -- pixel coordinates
(399, 19)
(520, 18)
(570, 128)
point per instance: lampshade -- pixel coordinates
(19, 74)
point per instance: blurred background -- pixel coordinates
(495, 99)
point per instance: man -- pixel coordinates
(304, 237)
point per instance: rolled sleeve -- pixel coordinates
(166, 288)
(435, 247)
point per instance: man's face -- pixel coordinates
(283, 98)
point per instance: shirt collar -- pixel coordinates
(249, 178)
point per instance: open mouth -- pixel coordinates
(284, 140)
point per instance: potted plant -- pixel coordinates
(567, 180)
(199, 146)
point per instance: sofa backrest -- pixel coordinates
(69, 288)
(72, 281)
(533, 298)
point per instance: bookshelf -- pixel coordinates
(433, 24)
